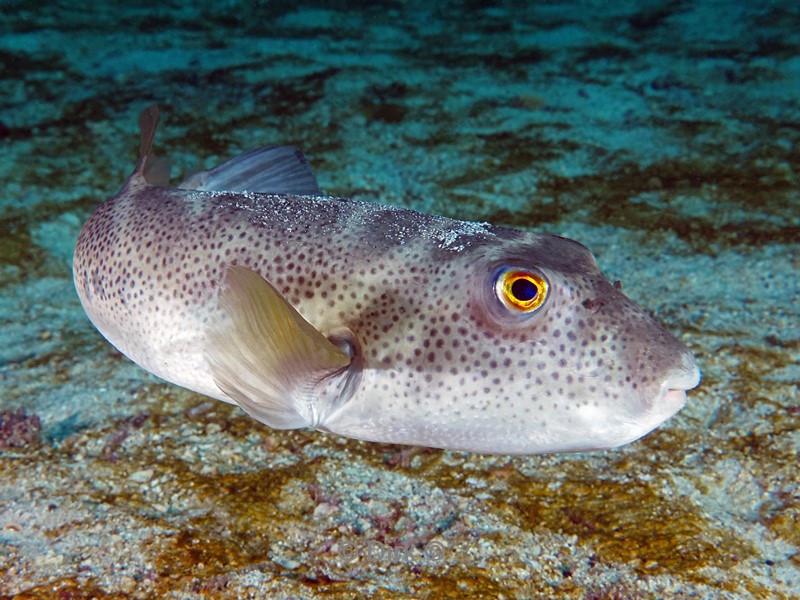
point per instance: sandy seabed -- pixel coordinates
(662, 135)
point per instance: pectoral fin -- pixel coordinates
(266, 356)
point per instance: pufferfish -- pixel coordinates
(375, 322)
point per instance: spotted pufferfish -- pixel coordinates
(248, 285)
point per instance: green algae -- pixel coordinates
(70, 588)
(20, 65)
(609, 199)
(16, 247)
(630, 523)
(610, 52)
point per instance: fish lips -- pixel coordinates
(671, 396)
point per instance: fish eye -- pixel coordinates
(521, 290)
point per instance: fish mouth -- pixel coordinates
(673, 390)
(688, 377)
(670, 399)
(674, 399)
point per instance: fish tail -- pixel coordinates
(154, 170)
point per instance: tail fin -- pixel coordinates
(153, 169)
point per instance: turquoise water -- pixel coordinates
(662, 135)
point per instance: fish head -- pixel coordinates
(556, 355)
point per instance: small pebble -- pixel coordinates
(142, 476)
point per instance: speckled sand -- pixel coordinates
(663, 135)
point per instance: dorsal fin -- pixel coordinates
(272, 170)
(155, 170)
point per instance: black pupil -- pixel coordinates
(524, 290)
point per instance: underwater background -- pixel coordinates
(663, 135)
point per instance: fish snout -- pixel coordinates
(663, 368)
(651, 369)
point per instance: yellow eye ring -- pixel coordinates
(524, 291)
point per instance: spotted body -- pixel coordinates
(371, 321)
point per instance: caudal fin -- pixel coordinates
(155, 170)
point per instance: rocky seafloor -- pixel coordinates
(662, 135)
